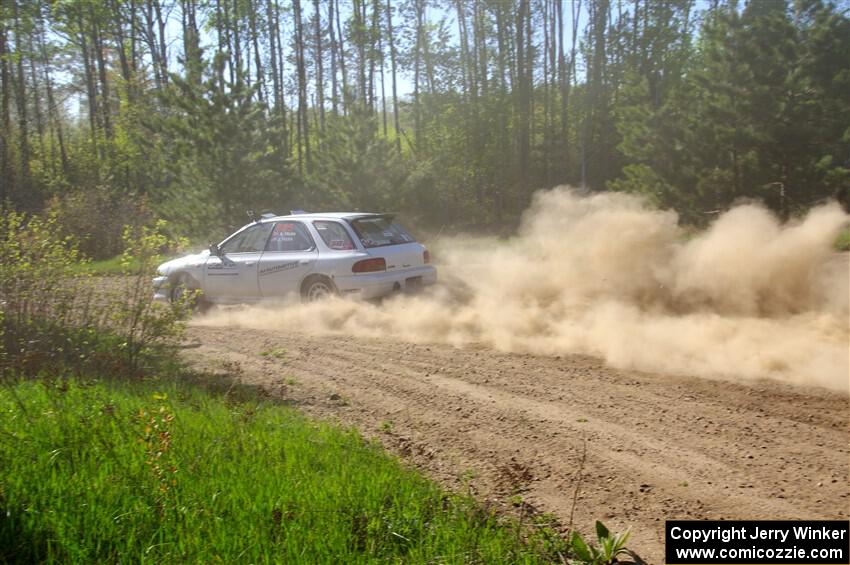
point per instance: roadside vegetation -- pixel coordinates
(843, 241)
(99, 470)
(111, 450)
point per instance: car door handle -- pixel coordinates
(304, 262)
(249, 263)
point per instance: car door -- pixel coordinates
(290, 255)
(232, 276)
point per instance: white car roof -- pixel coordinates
(322, 216)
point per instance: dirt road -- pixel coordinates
(565, 435)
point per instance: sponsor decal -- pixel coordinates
(277, 268)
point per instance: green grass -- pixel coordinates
(167, 472)
(843, 241)
(105, 267)
(279, 353)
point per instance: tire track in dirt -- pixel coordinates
(511, 427)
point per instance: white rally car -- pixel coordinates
(311, 255)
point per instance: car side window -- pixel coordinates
(251, 240)
(289, 237)
(334, 235)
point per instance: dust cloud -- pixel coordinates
(609, 276)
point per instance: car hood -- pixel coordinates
(187, 261)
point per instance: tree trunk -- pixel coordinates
(237, 44)
(320, 87)
(377, 7)
(360, 41)
(463, 36)
(120, 39)
(376, 55)
(304, 129)
(395, 87)
(36, 98)
(255, 41)
(522, 97)
(273, 33)
(345, 101)
(417, 56)
(91, 92)
(332, 35)
(52, 117)
(163, 52)
(21, 106)
(6, 174)
(101, 72)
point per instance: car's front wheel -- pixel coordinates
(318, 288)
(181, 288)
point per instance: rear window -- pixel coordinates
(334, 235)
(379, 231)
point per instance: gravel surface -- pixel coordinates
(565, 435)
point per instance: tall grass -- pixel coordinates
(163, 472)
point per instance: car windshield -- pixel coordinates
(377, 231)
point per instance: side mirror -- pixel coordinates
(214, 250)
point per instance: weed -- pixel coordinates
(842, 243)
(279, 353)
(608, 551)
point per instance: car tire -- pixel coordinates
(183, 284)
(318, 288)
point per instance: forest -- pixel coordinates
(452, 112)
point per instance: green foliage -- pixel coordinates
(95, 218)
(754, 115)
(843, 241)
(693, 105)
(356, 169)
(279, 353)
(608, 550)
(167, 472)
(57, 319)
(225, 156)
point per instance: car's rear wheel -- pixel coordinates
(318, 288)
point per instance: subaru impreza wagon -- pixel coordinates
(311, 256)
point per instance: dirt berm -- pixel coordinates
(566, 435)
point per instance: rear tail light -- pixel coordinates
(426, 256)
(370, 265)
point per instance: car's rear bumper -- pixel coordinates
(375, 285)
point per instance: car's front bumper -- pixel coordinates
(160, 289)
(375, 285)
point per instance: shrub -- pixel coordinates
(96, 219)
(56, 319)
